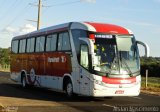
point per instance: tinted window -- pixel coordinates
(15, 46)
(51, 42)
(22, 46)
(30, 45)
(63, 42)
(76, 34)
(40, 44)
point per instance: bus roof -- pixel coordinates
(89, 26)
(109, 28)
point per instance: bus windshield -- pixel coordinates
(115, 54)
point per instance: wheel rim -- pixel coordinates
(69, 89)
(24, 82)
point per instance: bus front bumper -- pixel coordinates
(117, 90)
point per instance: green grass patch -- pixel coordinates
(153, 84)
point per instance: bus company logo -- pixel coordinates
(61, 59)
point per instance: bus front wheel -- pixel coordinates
(69, 88)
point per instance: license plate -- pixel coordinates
(119, 92)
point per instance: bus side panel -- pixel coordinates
(58, 63)
(48, 68)
(16, 67)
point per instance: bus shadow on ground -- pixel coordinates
(35, 93)
(80, 103)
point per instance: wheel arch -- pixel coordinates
(67, 77)
(23, 73)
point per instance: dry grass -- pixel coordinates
(153, 85)
(5, 68)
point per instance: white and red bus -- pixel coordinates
(85, 58)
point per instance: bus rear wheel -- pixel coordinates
(69, 88)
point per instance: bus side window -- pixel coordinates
(51, 42)
(22, 46)
(84, 59)
(30, 45)
(64, 42)
(15, 46)
(40, 44)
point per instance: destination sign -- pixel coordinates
(103, 36)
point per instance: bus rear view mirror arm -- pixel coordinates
(147, 50)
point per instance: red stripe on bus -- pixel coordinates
(108, 28)
(119, 80)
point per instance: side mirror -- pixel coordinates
(145, 46)
(84, 59)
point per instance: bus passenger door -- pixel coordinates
(84, 75)
(84, 82)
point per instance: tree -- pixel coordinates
(152, 64)
(4, 56)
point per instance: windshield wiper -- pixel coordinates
(128, 68)
(124, 61)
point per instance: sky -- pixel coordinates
(141, 16)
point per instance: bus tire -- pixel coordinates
(23, 81)
(69, 88)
